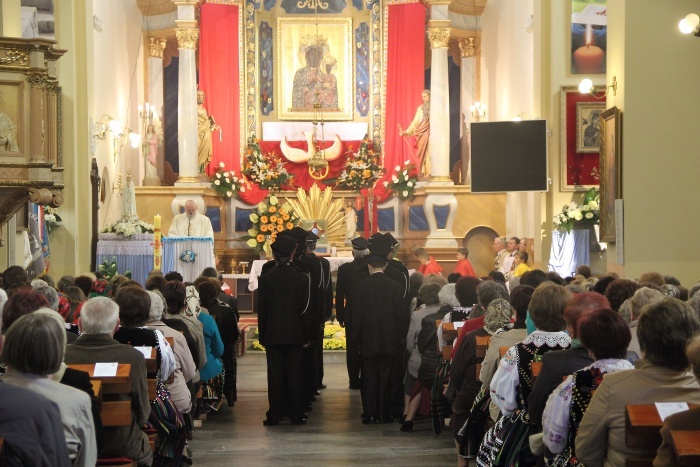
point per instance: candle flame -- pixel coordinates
(589, 35)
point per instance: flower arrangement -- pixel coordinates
(362, 169)
(572, 212)
(404, 180)
(269, 219)
(109, 269)
(333, 338)
(128, 227)
(51, 219)
(267, 171)
(226, 183)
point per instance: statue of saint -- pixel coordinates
(350, 222)
(8, 134)
(129, 199)
(151, 151)
(206, 126)
(420, 128)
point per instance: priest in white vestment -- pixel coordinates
(191, 223)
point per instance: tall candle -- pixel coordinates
(156, 221)
(589, 59)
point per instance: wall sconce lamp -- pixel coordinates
(586, 87)
(121, 133)
(477, 110)
(690, 25)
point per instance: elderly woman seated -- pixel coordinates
(605, 335)
(664, 330)
(29, 366)
(511, 385)
(630, 311)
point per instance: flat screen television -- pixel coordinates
(509, 156)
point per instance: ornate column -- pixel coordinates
(440, 203)
(467, 48)
(37, 77)
(187, 34)
(155, 94)
(439, 104)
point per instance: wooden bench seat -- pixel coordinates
(482, 346)
(686, 446)
(118, 384)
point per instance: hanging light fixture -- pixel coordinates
(318, 165)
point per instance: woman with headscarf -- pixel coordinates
(507, 442)
(464, 381)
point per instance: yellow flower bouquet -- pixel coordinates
(269, 220)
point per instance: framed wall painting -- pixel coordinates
(314, 67)
(589, 36)
(578, 168)
(610, 171)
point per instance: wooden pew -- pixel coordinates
(449, 333)
(643, 431)
(482, 345)
(97, 389)
(447, 352)
(118, 384)
(502, 351)
(686, 446)
(536, 368)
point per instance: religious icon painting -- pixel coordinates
(315, 71)
(589, 36)
(588, 126)
(11, 119)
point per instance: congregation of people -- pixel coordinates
(50, 412)
(601, 342)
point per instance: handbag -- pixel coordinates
(472, 432)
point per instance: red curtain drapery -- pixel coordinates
(218, 78)
(404, 82)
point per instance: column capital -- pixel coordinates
(187, 38)
(467, 47)
(439, 37)
(156, 47)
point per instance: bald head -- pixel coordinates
(190, 208)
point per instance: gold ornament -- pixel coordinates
(187, 38)
(439, 37)
(317, 206)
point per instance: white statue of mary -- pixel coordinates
(129, 199)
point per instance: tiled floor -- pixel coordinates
(333, 435)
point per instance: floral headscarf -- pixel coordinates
(498, 314)
(63, 305)
(192, 301)
(99, 288)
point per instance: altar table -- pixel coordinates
(256, 268)
(133, 253)
(203, 248)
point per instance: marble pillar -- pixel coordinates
(439, 107)
(467, 48)
(155, 99)
(187, 34)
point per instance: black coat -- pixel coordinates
(379, 323)
(81, 380)
(555, 365)
(313, 267)
(343, 288)
(284, 313)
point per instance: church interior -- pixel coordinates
(511, 57)
(114, 114)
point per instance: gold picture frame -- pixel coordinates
(588, 126)
(610, 171)
(330, 82)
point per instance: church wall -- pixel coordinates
(658, 97)
(118, 91)
(508, 90)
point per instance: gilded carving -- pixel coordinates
(37, 79)
(467, 47)
(251, 81)
(13, 55)
(187, 38)
(439, 37)
(156, 47)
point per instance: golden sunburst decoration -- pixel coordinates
(315, 205)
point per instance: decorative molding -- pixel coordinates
(187, 38)
(377, 78)
(13, 55)
(439, 37)
(37, 78)
(156, 47)
(467, 47)
(250, 85)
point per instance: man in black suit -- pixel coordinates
(286, 327)
(379, 328)
(326, 303)
(343, 288)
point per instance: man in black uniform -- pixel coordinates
(379, 328)
(343, 287)
(286, 326)
(326, 303)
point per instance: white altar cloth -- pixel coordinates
(255, 270)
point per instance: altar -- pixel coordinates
(256, 269)
(134, 254)
(188, 255)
